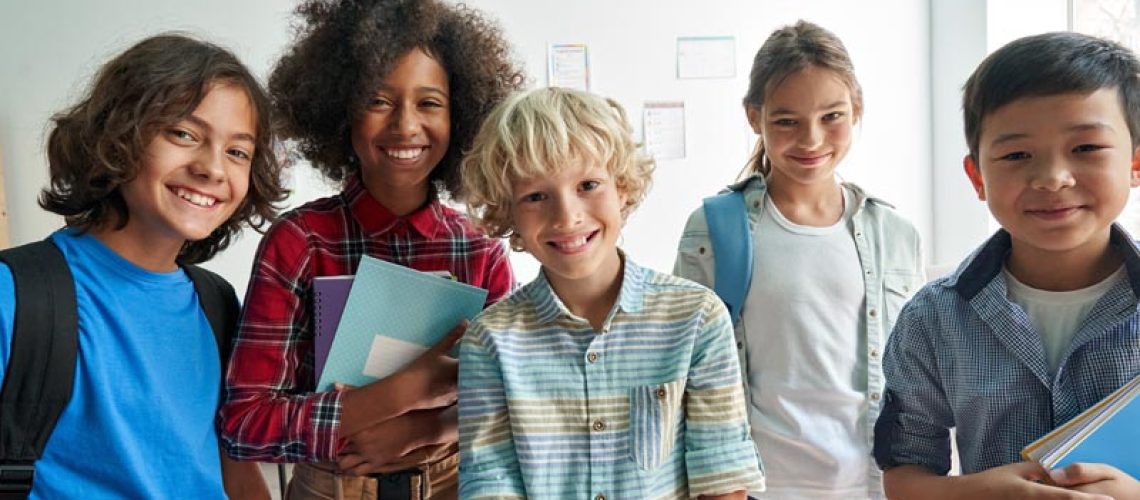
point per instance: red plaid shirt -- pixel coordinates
(270, 412)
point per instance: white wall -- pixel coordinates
(49, 50)
(958, 44)
(962, 33)
(632, 53)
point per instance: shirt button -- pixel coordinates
(873, 313)
(599, 425)
(874, 354)
(875, 396)
(740, 345)
(701, 251)
(592, 357)
(756, 204)
(661, 393)
(858, 234)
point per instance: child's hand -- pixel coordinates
(1098, 478)
(1021, 480)
(427, 382)
(391, 445)
(430, 380)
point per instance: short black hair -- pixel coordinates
(1050, 64)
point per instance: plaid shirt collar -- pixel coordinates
(550, 307)
(376, 219)
(980, 268)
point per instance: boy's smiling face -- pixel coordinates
(570, 221)
(195, 174)
(1056, 170)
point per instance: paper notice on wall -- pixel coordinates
(568, 66)
(706, 57)
(664, 129)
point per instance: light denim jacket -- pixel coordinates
(890, 254)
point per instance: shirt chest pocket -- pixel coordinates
(695, 258)
(655, 414)
(898, 288)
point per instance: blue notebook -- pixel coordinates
(392, 315)
(1105, 433)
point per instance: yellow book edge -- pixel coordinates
(1076, 430)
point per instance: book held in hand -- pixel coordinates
(392, 315)
(1108, 433)
(329, 296)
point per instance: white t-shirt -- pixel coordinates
(807, 359)
(1057, 315)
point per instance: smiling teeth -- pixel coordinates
(197, 199)
(405, 154)
(572, 244)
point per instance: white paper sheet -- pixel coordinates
(706, 57)
(387, 355)
(664, 124)
(568, 66)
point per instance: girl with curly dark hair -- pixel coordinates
(382, 96)
(168, 154)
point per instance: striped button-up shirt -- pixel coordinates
(963, 355)
(650, 406)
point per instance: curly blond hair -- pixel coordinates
(538, 132)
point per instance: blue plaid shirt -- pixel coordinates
(962, 355)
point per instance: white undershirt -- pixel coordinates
(1057, 315)
(806, 360)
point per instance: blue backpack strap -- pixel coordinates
(41, 365)
(727, 217)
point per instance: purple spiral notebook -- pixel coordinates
(330, 293)
(329, 296)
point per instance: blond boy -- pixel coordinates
(601, 378)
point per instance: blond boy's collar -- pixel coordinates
(631, 297)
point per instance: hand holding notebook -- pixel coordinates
(393, 314)
(1108, 433)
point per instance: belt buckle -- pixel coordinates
(398, 485)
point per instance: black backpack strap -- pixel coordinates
(217, 298)
(41, 364)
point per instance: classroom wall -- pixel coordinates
(962, 33)
(632, 53)
(49, 50)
